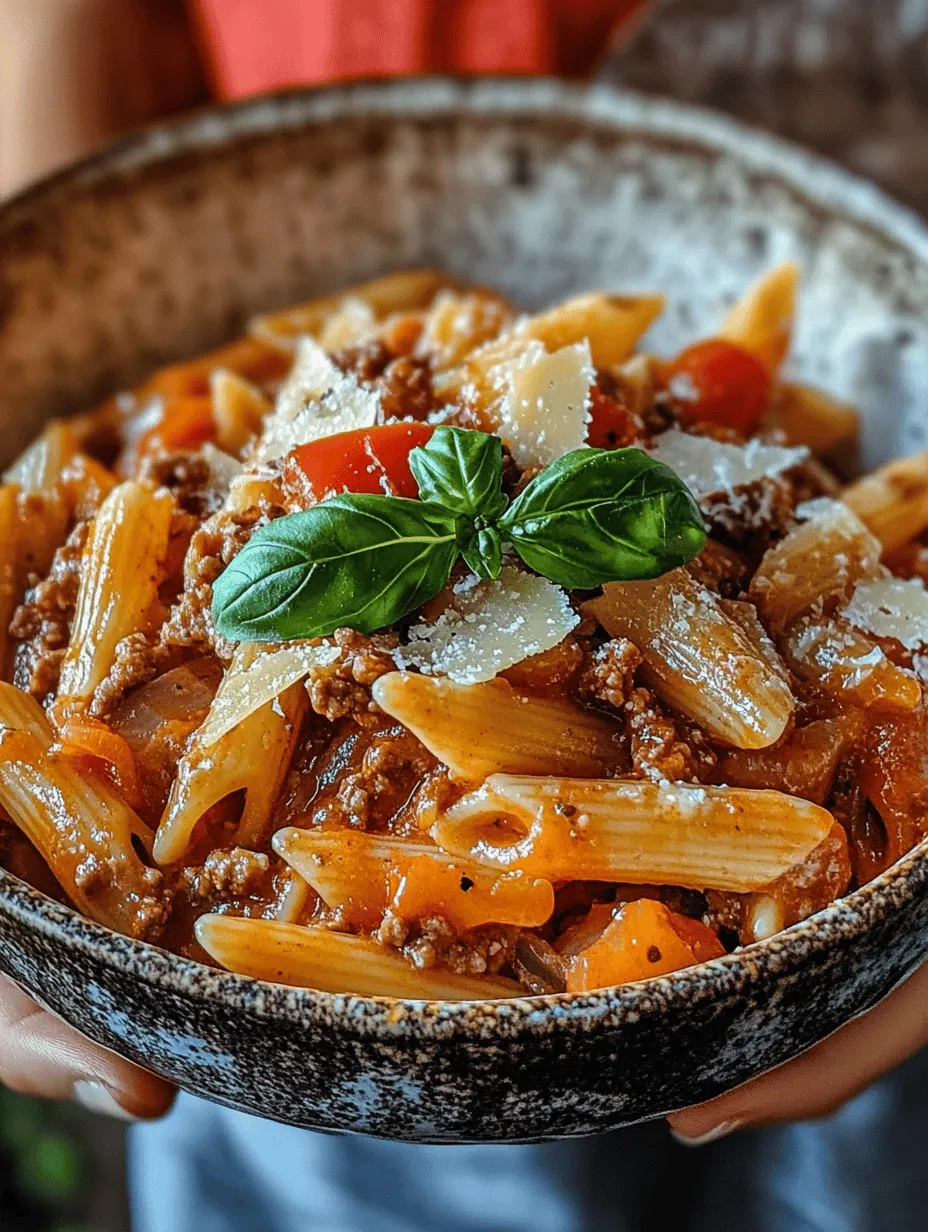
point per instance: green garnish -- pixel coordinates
(362, 562)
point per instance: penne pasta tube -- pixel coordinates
(401, 292)
(83, 830)
(253, 757)
(37, 471)
(121, 569)
(849, 666)
(893, 501)
(610, 325)
(293, 900)
(821, 559)
(239, 410)
(720, 838)
(762, 320)
(809, 417)
(364, 875)
(255, 678)
(458, 323)
(613, 324)
(312, 957)
(479, 729)
(699, 659)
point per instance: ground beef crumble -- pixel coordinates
(657, 751)
(217, 542)
(341, 689)
(432, 941)
(188, 477)
(235, 871)
(609, 673)
(42, 622)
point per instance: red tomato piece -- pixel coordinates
(374, 460)
(718, 382)
(611, 425)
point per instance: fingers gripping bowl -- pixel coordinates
(473, 180)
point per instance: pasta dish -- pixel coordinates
(410, 646)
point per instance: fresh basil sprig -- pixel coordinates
(354, 562)
(604, 515)
(364, 561)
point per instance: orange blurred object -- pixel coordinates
(643, 939)
(252, 46)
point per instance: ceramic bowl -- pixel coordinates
(163, 245)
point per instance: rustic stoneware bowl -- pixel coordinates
(166, 243)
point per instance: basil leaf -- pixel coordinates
(484, 553)
(604, 515)
(462, 470)
(359, 562)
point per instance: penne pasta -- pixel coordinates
(719, 838)
(37, 471)
(848, 665)
(480, 729)
(698, 659)
(363, 876)
(253, 757)
(609, 325)
(311, 957)
(458, 323)
(86, 833)
(254, 679)
(762, 320)
(893, 501)
(806, 416)
(239, 410)
(401, 292)
(121, 569)
(819, 562)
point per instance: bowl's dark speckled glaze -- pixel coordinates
(164, 245)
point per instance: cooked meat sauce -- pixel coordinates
(777, 678)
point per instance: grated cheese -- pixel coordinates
(489, 626)
(707, 466)
(891, 607)
(317, 399)
(545, 408)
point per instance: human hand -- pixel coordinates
(41, 1055)
(817, 1083)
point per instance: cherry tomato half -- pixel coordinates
(611, 425)
(718, 382)
(374, 460)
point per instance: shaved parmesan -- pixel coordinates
(708, 467)
(317, 399)
(892, 607)
(352, 324)
(545, 409)
(489, 626)
(257, 677)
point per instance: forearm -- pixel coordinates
(53, 103)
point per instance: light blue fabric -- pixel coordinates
(206, 1169)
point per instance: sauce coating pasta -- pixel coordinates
(512, 780)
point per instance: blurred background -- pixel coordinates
(848, 78)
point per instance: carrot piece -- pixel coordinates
(643, 939)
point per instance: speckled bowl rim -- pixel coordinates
(824, 186)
